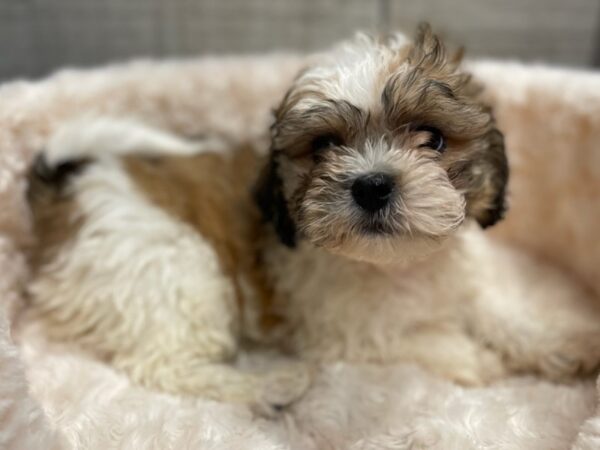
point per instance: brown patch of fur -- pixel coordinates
(484, 179)
(55, 220)
(212, 193)
(296, 132)
(434, 90)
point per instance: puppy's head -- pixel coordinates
(381, 151)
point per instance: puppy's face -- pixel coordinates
(382, 151)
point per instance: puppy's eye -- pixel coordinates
(436, 139)
(323, 141)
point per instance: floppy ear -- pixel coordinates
(486, 194)
(268, 194)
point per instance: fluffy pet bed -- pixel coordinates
(52, 396)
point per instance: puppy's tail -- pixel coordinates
(81, 141)
(92, 138)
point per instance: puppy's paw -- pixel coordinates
(281, 388)
(574, 355)
(473, 369)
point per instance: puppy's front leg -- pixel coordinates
(453, 355)
(537, 317)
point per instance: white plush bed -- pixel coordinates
(52, 396)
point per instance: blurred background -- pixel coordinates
(39, 36)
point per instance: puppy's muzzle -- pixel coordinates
(373, 191)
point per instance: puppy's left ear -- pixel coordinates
(269, 197)
(487, 180)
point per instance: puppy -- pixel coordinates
(359, 238)
(385, 166)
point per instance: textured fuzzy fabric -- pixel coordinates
(552, 123)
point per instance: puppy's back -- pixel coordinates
(96, 186)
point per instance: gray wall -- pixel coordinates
(38, 36)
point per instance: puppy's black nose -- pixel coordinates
(372, 191)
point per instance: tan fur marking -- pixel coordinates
(55, 221)
(211, 192)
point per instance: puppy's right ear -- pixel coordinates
(269, 197)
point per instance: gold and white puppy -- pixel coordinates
(360, 238)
